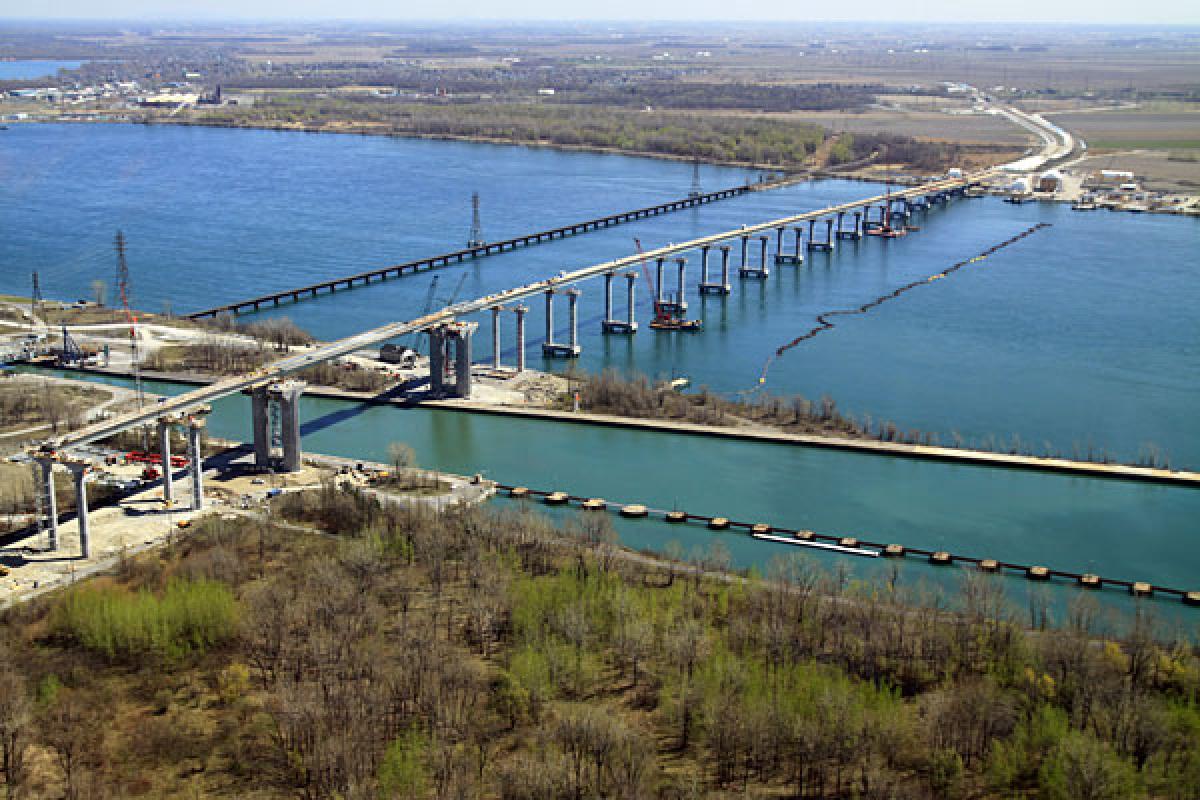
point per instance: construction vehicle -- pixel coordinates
(665, 318)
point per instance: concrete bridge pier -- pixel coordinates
(165, 426)
(520, 311)
(762, 270)
(825, 246)
(610, 324)
(714, 288)
(437, 360)
(195, 426)
(49, 500)
(461, 335)
(287, 395)
(80, 470)
(496, 336)
(551, 348)
(659, 296)
(260, 423)
(745, 246)
(676, 302)
(852, 233)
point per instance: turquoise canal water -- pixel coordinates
(18, 70)
(1113, 528)
(1083, 337)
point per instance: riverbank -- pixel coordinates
(979, 458)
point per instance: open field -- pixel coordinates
(1129, 129)
(1159, 170)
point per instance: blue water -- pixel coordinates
(1081, 338)
(17, 70)
(1112, 528)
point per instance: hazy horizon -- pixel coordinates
(1174, 13)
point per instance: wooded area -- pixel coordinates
(489, 653)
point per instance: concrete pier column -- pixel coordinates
(858, 224)
(437, 360)
(725, 266)
(799, 236)
(49, 500)
(521, 311)
(462, 360)
(164, 450)
(573, 315)
(658, 287)
(495, 337)
(260, 423)
(829, 233)
(811, 224)
(762, 253)
(286, 395)
(608, 282)
(195, 426)
(779, 241)
(704, 265)
(680, 302)
(745, 246)
(631, 285)
(840, 215)
(80, 470)
(549, 316)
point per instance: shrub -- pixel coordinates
(190, 617)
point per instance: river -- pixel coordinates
(1082, 337)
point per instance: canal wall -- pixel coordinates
(979, 458)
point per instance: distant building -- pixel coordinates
(1114, 177)
(168, 100)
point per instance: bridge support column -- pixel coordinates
(551, 348)
(723, 286)
(260, 421)
(165, 426)
(761, 271)
(659, 297)
(437, 361)
(287, 395)
(80, 470)
(195, 427)
(521, 311)
(611, 325)
(676, 302)
(745, 246)
(49, 499)
(496, 337)
(631, 285)
(462, 359)
(783, 257)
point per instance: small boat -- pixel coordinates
(677, 324)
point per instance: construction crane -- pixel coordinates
(664, 319)
(425, 309)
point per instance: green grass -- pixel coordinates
(1144, 144)
(189, 617)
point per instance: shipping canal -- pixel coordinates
(1041, 340)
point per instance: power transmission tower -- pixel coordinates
(695, 191)
(123, 290)
(35, 300)
(476, 237)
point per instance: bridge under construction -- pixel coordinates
(272, 389)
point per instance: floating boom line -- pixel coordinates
(824, 321)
